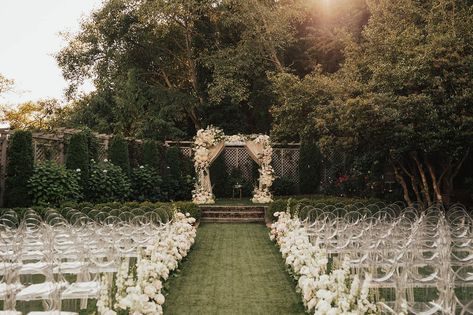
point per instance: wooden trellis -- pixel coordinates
(52, 146)
(285, 159)
(47, 146)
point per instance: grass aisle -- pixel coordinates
(233, 269)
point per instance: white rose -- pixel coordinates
(150, 290)
(159, 299)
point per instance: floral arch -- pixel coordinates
(208, 145)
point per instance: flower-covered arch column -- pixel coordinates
(208, 145)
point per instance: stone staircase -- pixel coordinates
(235, 214)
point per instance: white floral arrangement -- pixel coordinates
(204, 140)
(323, 293)
(200, 196)
(140, 293)
(261, 194)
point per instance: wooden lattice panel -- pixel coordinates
(47, 151)
(290, 164)
(187, 151)
(102, 151)
(285, 161)
(239, 158)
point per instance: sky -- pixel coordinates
(29, 37)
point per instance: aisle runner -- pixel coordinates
(233, 269)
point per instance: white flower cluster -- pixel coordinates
(140, 292)
(261, 193)
(204, 140)
(323, 293)
(262, 196)
(201, 196)
(208, 137)
(235, 139)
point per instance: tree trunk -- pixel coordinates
(435, 183)
(403, 184)
(425, 185)
(448, 182)
(414, 183)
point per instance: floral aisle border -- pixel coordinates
(337, 292)
(139, 291)
(207, 146)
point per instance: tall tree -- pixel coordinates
(403, 93)
(179, 65)
(31, 115)
(5, 84)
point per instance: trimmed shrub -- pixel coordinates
(298, 203)
(118, 153)
(188, 207)
(309, 167)
(178, 177)
(92, 145)
(145, 184)
(107, 182)
(53, 184)
(135, 154)
(77, 156)
(151, 154)
(20, 165)
(283, 186)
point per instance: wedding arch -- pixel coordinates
(208, 145)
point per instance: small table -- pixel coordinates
(236, 187)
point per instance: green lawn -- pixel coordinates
(233, 269)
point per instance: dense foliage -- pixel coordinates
(163, 69)
(310, 160)
(178, 176)
(402, 95)
(118, 153)
(146, 183)
(92, 144)
(107, 182)
(19, 169)
(283, 186)
(151, 154)
(298, 204)
(77, 156)
(37, 115)
(164, 209)
(53, 184)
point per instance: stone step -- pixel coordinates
(232, 208)
(238, 213)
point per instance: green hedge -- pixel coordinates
(52, 184)
(145, 184)
(118, 153)
(77, 156)
(151, 154)
(20, 165)
(165, 207)
(92, 145)
(299, 201)
(309, 167)
(107, 182)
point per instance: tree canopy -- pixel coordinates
(403, 93)
(164, 69)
